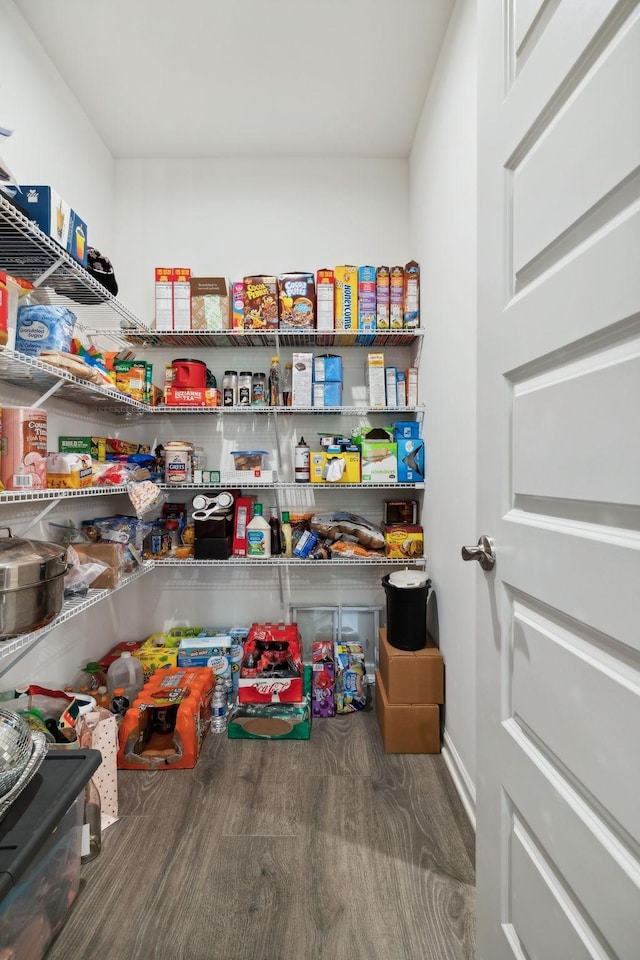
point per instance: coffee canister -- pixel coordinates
(189, 374)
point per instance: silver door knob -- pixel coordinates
(484, 553)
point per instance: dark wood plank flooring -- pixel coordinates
(292, 850)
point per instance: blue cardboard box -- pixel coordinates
(327, 394)
(57, 219)
(327, 368)
(411, 460)
(405, 429)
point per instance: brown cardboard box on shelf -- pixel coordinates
(411, 676)
(109, 553)
(407, 727)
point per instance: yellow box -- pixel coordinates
(346, 298)
(403, 541)
(319, 461)
(159, 651)
(68, 471)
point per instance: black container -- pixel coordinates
(406, 615)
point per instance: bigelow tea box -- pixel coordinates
(325, 294)
(346, 298)
(164, 299)
(181, 298)
(209, 303)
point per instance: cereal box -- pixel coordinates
(260, 303)
(412, 295)
(396, 298)
(346, 298)
(164, 298)
(297, 301)
(181, 298)
(382, 298)
(237, 310)
(325, 299)
(367, 298)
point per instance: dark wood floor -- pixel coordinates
(292, 850)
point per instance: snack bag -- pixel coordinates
(350, 678)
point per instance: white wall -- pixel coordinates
(443, 239)
(236, 217)
(54, 141)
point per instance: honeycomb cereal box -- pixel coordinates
(346, 294)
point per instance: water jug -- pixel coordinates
(126, 672)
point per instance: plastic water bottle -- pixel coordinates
(219, 710)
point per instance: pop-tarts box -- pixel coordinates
(57, 219)
(411, 460)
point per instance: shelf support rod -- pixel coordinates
(50, 392)
(52, 269)
(43, 513)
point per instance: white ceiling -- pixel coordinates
(244, 78)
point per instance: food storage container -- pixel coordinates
(249, 459)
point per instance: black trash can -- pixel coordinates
(407, 609)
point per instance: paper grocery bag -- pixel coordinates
(103, 736)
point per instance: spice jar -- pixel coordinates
(259, 390)
(230, 388)
(244, 388)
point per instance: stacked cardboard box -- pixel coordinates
(409, 691)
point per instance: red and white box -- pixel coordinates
(242, 516)
(181, 298)
(164, 299)
(272, 643)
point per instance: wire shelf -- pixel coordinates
(141, 336)
(70, 609)
(27, 252)
(24, 496)
(30, 372)
(352, 411)
(293, 562)
(293, 485)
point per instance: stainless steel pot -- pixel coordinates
(31, 584)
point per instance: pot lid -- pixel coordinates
(24, 562)
(408, 578)
(189, 360)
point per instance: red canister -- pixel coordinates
(189, 374)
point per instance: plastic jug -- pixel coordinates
(126, 672)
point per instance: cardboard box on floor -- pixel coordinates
(411, 676)
(405, 727)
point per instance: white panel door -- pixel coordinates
(558, 799)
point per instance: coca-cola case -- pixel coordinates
(271, 670)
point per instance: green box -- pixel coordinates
(96, 447)
(297, 715)
(378, 455)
